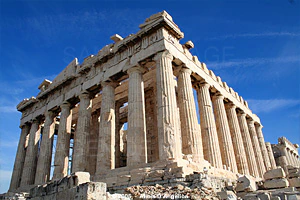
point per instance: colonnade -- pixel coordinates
(226, 136)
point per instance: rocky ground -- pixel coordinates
(176, 192)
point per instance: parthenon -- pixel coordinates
(131, 108)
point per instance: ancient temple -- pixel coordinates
(146, 81)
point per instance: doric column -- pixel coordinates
(257, 152)
(106, 141)
(271, 155)
(44, 160)
(93, 142)
(190, 130)
(283, 163)
(117, 135)
(19, 160)
(136, 137)
(237, 140)
(61, 159)
(169, 143)
(226, 146)
(262, 145)
(29, 169)
(248, 145)
(82, 133)
(210, 140)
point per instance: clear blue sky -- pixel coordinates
(253, 45)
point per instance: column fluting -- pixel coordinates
(271, 155)
(106, 141)
(61, 159)
(82, 133)
(248, 145)
(258, 154)
(167, 113)
(237, 140)
(226, 146)
(20, 158)
(190, 130)
(28, 174)
(44, 160)
(211, 148)
(262, 145)
(136, 134)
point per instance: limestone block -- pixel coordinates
(63, 184)
(156, 174)
(81, 177)
(228, 195)
(245, 183)
(275, 198)
(96, 190)
(295, 170)
(123, 178)
(66, 194)
(274, 173)
(51, 188)
(293, 196)
(294, 182)
(263, 196)
(251, 197)
(276, 183)
(294, 174)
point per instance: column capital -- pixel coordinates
(109, 83)
(202, 84)
(163, 54)
(241, 113)
(184, 69)
(49, 114)
(258, 125)
(250, 122)
(65, 104)
(218, 96)
(230, 105)
(84, 95)
(138, 68)
(35, 121)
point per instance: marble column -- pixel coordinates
(29, 169)
(169, 143)
(211, 148)
(44, 160)
(117, 135)
(237, 140)
(226, 146)
(271, 155)
(106, 141)
(19, 160)
(82, 133)
(283, 163)
(258, 154)
(136, 134)
(252, 164)
(262, 145)
(190, 130)
(61, 159)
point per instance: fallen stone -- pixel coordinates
(294, 175)
(245, 183)
(276, 183)
(294, 182)
(227, 195)
(274, 173)
(263, 196)
(81, 177)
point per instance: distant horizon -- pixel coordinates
(254, 46)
